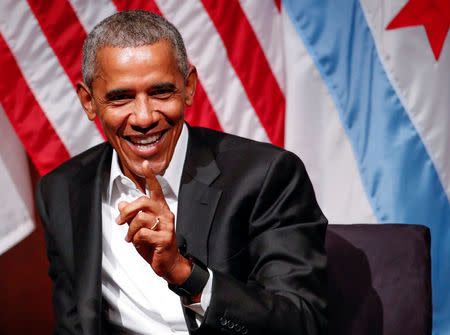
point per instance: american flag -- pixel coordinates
(358, 89)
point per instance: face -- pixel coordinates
(139, 96)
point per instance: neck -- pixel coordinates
(137, 180)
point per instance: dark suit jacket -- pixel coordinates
(246, 209)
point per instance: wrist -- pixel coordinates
(193, 285)
(192, 300)
(180, 271)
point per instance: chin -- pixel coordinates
(158, 169)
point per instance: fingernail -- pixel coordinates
(127, 239)
(118, 219)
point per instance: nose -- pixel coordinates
(144, 116)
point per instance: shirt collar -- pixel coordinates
(172, 175)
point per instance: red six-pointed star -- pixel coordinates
(434, 15)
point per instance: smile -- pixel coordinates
(143, 143)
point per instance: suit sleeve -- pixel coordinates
(285, 291)
(64, 303)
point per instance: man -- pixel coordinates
(163, 210)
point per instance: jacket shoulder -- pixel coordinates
(86, 161)
(220, 142)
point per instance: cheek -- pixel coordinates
(113, 121)
(175, 111)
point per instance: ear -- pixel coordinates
(191, 85)
(86, 99)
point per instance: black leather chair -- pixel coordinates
(379, 279)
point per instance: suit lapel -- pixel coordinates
(197, 198)
(86, 193)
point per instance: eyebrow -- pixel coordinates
(163, 85)
(115, 92)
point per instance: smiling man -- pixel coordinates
(129, 84)
(172, 229)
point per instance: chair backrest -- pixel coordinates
(379, 279)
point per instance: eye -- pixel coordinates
(119, 97)
(161, 94)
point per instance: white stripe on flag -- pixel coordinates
(92, 12)
(16, 220)
(46, 77)
(315, 133)
(220, 81)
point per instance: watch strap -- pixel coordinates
(196, 281)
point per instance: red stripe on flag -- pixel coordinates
(148, 5)
(250, 64)
(65, 34)
(29, 121)
(278, 4)
(201, 113)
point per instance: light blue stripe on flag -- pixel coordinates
(398, 175)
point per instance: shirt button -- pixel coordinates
(223, 321)
(231, 324)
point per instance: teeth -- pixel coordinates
(147, 140)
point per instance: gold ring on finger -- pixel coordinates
(155, 224)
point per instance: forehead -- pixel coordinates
(152, 58)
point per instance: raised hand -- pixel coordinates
(152, 231)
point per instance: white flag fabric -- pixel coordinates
(16, 212)
(358, 89)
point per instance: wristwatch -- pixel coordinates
(196, 281)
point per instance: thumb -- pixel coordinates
(150, 180)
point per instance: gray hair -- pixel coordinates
(131, 28)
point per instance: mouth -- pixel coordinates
(145, 143)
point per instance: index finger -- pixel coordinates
(151, 181)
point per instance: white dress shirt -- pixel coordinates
(140, 301)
